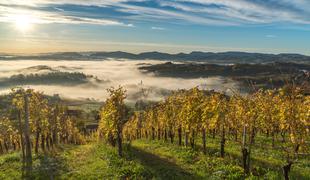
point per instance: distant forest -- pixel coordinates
(221, 57)
(63, 78)
(268, 75)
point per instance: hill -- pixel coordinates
(267, 75)
(221, 57)
(59, 78)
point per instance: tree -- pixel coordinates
(114, 115)
(294, 119)
(21, 100)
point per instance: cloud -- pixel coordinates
(158, 28)
(72, 2)
(203, 12)
(140, 13)
(59, 9)
(9, 15)
(257, 12)
(271, 36)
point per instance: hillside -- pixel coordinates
(50, 78)
(268, 75)
(211, 57)
(191, 134)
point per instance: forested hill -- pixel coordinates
(51, 78)
(268, 75)
(192, 70)
(224, 57)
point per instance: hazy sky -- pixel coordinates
(30, 26)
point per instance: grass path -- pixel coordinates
(98, 161)
(161, 167)
(190, 164)
(142, 160)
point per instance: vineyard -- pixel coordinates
(31, 123)
(191, 134)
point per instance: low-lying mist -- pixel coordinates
(112, 73)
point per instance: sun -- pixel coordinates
(23, 22)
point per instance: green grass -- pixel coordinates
(190, 164)
(145, 159)
(92, 161)
(264, 158)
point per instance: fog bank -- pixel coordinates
(114, 73)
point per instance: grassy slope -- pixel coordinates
(145, 160)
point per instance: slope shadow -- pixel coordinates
(160, 167)
(49, 167)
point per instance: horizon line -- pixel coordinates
(155, 51)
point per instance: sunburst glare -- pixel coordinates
(23, 22)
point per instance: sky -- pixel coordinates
(268, 26)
